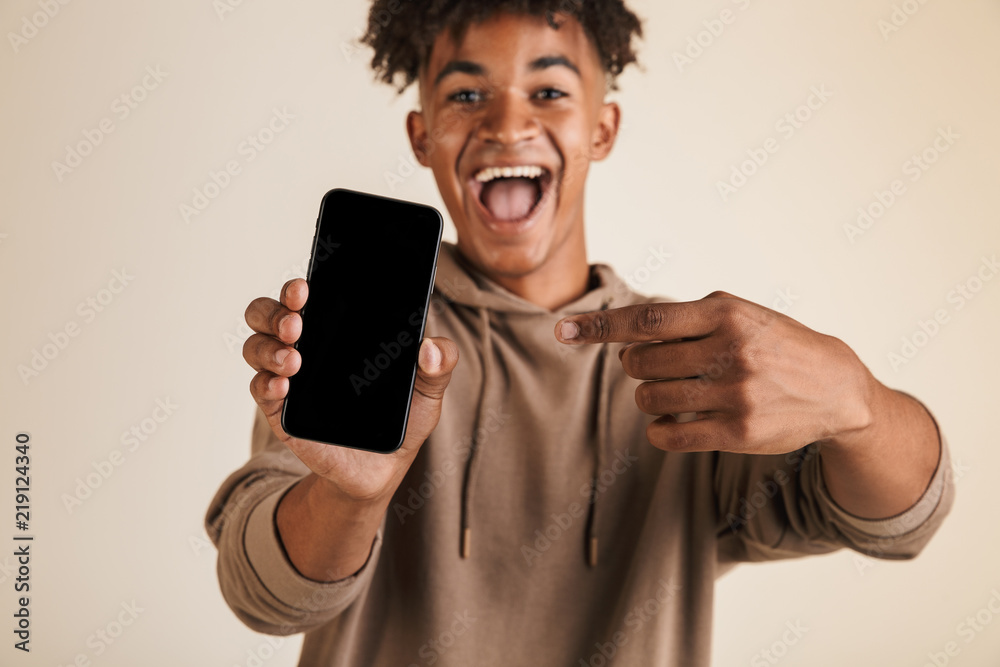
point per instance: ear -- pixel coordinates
(416, 129)
(603, 140)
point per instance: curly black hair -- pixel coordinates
(402, 32)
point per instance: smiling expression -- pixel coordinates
(512, 116)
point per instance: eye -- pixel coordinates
(549, 94)
(466, 96)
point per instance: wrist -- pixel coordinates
(871, 402)
(326, 535)
(322, 497)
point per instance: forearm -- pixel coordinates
(884, 469)
(327, 537)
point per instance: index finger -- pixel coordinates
(642, 322)
(294, 294)
(279, 319)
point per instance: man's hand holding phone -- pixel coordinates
(350, 482)
(359, 474)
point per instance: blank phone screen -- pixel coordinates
(370, 280)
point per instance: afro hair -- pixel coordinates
(402, 32)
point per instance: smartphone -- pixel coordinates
(370, 278)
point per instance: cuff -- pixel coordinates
(267, 556)
(910, 519)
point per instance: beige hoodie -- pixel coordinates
(497, 549)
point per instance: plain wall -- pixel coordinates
(172, 330)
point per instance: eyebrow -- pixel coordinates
(475, 69)
(463, 66)
(553, 61)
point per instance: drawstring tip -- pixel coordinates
(466, 536)
(592, 552)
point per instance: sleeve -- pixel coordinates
(258, 581)
(773, 507)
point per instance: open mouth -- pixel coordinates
(511, 194)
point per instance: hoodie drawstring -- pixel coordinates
(470, 465)
(600, 442)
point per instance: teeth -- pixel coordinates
(490, 173)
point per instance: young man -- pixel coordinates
(582, 462)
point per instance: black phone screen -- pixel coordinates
(370, 280)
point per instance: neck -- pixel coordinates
(560, 278)
(551, 286)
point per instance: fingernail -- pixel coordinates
(430, 356)
(280, 356)
(569, 330)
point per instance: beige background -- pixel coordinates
(174, 332)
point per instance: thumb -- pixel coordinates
(435, 362)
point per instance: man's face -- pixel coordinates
(511, 118)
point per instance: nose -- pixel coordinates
(509, 119)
